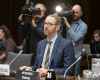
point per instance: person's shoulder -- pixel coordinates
(10, 41)
(83, 23)
(65, 41)
(68, 41)
(41, 41)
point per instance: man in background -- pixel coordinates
(36, 32)
(76, 32)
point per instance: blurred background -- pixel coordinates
(10, 9)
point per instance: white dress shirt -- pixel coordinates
(53, 39)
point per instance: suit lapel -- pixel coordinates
(43, 46)
(56, 45)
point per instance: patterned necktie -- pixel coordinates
(47, 55)
(76, 27)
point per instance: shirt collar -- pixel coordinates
(78, 21)
(53, 39)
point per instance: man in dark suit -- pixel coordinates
(61, 53)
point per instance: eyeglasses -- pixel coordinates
(49, 24)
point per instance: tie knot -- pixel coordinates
(49, 42)
(77, 23)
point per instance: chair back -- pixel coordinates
(22, 60)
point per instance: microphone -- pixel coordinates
(78, 59)
(13, 72)
(5, 68)
(12, 61)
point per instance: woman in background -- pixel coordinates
(3, 53)
(6, 39)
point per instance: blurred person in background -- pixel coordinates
(76, 32)
(3, 53)
(24, 22)
(36, 32)
(6, 39)
(23, 27)
(95, 43)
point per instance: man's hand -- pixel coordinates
(20, 17)
(66, 22)
(2, 56)
(33, 22)
(42, 72)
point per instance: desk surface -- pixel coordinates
(7, 78)
(57, 78)
(60, 77)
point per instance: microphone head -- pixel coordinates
(79, 57)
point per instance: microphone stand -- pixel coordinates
(12, 61)
(20, 52)
(79, 58)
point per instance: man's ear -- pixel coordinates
(58, 28)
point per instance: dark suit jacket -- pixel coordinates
(62, 55)
(95, 47)
(33, 36)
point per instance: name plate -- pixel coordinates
(96, 65)
(4, 69)
(27, 75)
